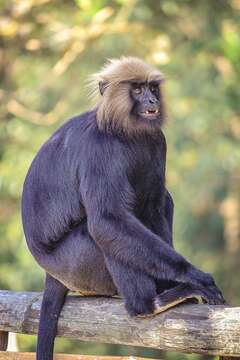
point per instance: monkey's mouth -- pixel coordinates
(150, 113)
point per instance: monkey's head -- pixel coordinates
(130, 97)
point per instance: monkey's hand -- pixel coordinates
(204, 282)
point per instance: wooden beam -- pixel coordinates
(187, 328)
(32, 356)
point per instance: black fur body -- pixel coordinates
(130, 175)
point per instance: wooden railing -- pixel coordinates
(200, 329)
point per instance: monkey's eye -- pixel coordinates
(137, 88)
(153, 87)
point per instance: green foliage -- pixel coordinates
(48, 48)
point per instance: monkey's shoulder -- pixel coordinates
(74, 127)
(69, 136)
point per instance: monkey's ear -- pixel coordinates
(102, 86)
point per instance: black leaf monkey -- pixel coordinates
(96, 213)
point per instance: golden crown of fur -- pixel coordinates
(127, 68)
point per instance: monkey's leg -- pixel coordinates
(79, 264)
(137, 288)
(53, 300)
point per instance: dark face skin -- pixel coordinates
(146, 97)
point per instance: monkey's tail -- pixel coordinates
(52, 303)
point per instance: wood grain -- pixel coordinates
(32, 356)
(186, 328)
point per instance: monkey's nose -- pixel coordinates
(153, 101)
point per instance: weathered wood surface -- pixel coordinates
(32, 356)
(187, 328)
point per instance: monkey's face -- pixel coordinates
(146, 100)
(131, 99)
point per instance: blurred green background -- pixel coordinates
(47, 50)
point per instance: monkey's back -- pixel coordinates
(51, 201)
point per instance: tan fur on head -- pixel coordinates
(114, 106)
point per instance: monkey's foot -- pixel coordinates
(177, 295)
(160, 306)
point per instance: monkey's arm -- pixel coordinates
(161, 221)
(169, 210)
(159, 217)
(123, 237)
(171, 293)
(107, 196)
